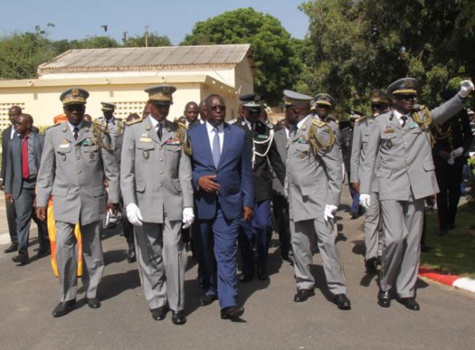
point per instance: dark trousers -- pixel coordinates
(216, 245)
(355, 196)
(449, 178)
(25, 212)
(281, 214)
(11, 219)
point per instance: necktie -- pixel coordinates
(76, 132)
(160, 131)
(25, 170)
(216, 148)
(293, 131)
(403, 118)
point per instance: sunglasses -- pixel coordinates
(406, 97)
(74, 108)
(216, 107)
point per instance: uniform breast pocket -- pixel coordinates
(90, 153)
(64, 152)
(144, 151)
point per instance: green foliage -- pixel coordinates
(153, 39)
(367, 44)
(274, 51)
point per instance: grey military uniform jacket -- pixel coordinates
(313, 179)
(155, 175)
(73, 171)
(361, 134)
(280, 138)
(406, 163)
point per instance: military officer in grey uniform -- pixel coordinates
(77, 156)
(313, 188)
(321, 106)
(372, 224)
(116, 126)
(157, 192)
(406, 175)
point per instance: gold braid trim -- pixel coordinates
(424, 119)
(315, 142)
(182, 134)
(101, 134)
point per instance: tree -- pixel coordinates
(94, 42)
(366, 44)
(153, 39)
(277, 65)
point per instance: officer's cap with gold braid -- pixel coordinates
(74, 96)
(161, 94)
(323, 99)
(294, 98)
(253, 107)
(404, 86)
(379, 97)
(107, 106)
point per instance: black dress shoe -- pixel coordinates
(42, 253)
(371, 265)
(64, 308)
(178, 317)
(231, 313)
(207, 299)
(160, 313)
(303, 294)
(12, 248)
(22, 258)
(246, 278)
(342, 302)
(262, 272)
(383, 299)
(410, 303)
(131, 257)
(93, 303)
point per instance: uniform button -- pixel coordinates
(79, 171)
(78, 157)
(160, 184)
(161, 159)
(161, 171)
(161, 147)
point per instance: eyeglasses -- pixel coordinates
(406, 97)
(74, 107)
(216, 107)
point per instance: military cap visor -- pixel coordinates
(295, 98)
(75, 96)
(161, 94)
(404, 86)
(324, 100)
(106, 106)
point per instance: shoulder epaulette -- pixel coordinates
(180, 125)
(232, 121)
(318, 123)
(52, 126)
(133, 121)
(360, 119)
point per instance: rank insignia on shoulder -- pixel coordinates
(232, 121)
(133, 121)
(318, 123)
(360, 119)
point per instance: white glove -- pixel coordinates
(329, 211)
(365, 200)
(133, 214)
(451, 159)
(188, 217)
(457, 152)
(466, 87)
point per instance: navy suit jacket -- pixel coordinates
(234, 173)
(13, 174)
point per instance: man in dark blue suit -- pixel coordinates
(23, 163)
(224, 197)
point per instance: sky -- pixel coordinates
(175, 18)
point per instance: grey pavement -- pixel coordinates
(272, 320)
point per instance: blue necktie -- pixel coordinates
(216, 148)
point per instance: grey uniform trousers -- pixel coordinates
(66, 256)
(302, 235)
(402, 224)
(162, 262)
(373, 233)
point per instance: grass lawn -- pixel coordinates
(455, 252)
